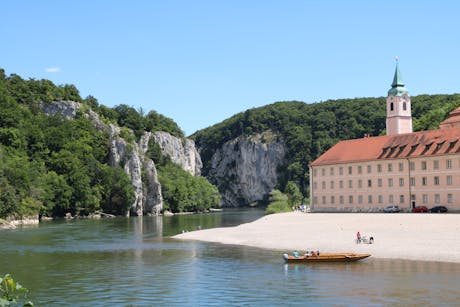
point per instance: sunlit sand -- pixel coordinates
(429, 237)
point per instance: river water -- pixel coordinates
(133, 262)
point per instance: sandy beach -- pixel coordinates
(427, 237)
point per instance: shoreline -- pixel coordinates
(408, 236)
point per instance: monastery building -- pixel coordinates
(402, 168)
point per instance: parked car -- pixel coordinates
(438, 209)
(419, 209)
(391, 209)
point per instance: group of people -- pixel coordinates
(360, 239)
(307, 254)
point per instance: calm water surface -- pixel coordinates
(133, 262)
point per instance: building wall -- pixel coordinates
(371, 186)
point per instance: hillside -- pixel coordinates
(310, 129)
(61, 154)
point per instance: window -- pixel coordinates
(360, 199)
(412, 166)
(341, 199)
(369, 183)
(391, 199)
(379, 182)
(332, 184)
(323, 199)
(390, 167)
(401, 199)
(350, 199)
(341, 184)
(449, 180)
(315, 200)
(391, 107)
(350, 184)
(314, 185)
(323, 172)
(424, 181)
(401, 166)
(332, 199)
(423, 165)
(369, 199)
(425, 198)
(436, 180)
(314, 173)
(412, 181)
(401, 182)
(390, 182)
(436, 164)
(340, 170)
(369, 169)
(437, 198)
(350, 170)
(331, 171)
(379, 168)
(323, 184)
(404, 106)
(449, 198)
(360, 169)
(380, 199)
(448, 164)
(360, 183)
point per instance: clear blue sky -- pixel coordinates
(200, 62)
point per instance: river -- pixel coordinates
(133, 262)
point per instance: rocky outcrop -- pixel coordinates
(181, 151)
(245, 169)
(67, 109)
(130, 156)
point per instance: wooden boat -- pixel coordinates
(325, 257)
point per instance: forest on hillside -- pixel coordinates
(310, 129)
(53, 166)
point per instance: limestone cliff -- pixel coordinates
(181, 151)
(130, 156)
(245, 169)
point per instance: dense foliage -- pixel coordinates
(53, 166)
(277, 203)
(310, 129)
(181, 191)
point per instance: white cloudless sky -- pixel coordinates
(200, 62)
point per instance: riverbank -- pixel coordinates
(426, 237)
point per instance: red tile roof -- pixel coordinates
(452, 121)
(408, 145)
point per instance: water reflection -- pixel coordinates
(132, 262)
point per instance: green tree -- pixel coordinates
(278, 202)
(293, 194)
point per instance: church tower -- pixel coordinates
(399, 116)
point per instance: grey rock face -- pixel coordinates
(245, 169)
(148, 198)
(67, 109)
(181, 151)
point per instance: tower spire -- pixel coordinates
(397, 87)
(399, 118)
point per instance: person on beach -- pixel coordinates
(358, 237)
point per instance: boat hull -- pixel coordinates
(342, 257)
